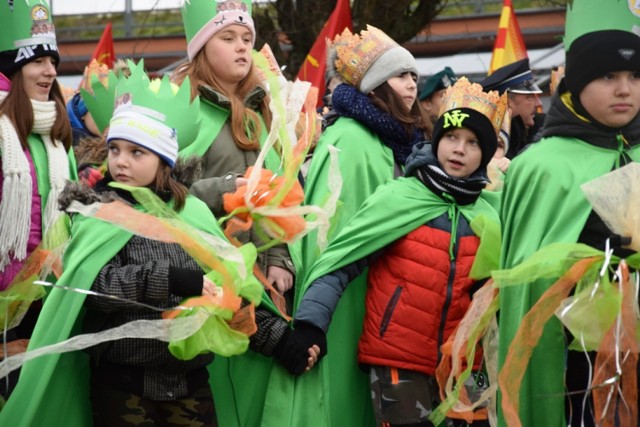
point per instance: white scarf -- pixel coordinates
(15, 206)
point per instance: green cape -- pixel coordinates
(542, 204)
(54, 389)
(393, 211)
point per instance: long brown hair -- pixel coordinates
(17, 107)
(245, 123)
(386, 99)
(165, 182)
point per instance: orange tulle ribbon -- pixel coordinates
(528, 335)
(269, 194)
(617, 359)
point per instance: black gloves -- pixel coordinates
(293, 351)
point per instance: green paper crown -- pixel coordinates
(26, 23)
(100, 99)
(587, 16)
(168, 103)
(198, 13)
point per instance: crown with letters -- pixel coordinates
(464, 94)
(27, 33)
(356, 52)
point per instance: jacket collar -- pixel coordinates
(252, 100)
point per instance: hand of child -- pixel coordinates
(502, 163)
(303, 348)
(281, 278)
(314, 353)
(240, 181)
(208, 287)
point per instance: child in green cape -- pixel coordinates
(592, 127)
(415, 236)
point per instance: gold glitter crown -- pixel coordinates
(464, 94)
(356, 52)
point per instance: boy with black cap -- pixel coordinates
(418, 236)
(516, 79)
(592, 127)
(433, 90)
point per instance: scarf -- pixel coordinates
(15, 206)
(424, 165)
(349, 102)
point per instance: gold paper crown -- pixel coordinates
(464, 94)
(556, 75)
(101, 71)
(356, 52)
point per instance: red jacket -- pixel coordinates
(416, 297)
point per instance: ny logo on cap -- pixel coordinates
(454, 118)
(626, 53)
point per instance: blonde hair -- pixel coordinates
(246, 126)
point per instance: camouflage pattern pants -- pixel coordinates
(402, 397)
(406, 398)
(116, 408)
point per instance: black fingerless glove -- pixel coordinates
(293, 350)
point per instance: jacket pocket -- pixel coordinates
(388, 312)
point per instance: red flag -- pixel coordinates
(104, 52)
(509, 46)
(315, 63)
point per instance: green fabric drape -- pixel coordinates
(543, 204)
(54, 389)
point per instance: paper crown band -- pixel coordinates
(464, 94)
(356, 52)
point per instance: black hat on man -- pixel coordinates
(515, 77)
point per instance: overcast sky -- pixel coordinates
(73, 7)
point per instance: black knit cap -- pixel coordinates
(595, 54)
(10, 64)
(472, 119)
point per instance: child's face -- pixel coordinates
(229, 55)
(613, 99)
(132, 164)
(459, 152)
(500, 151)
(406, 87)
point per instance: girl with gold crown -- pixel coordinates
(35, 137)
(419, 236)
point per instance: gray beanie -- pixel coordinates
(391, 63)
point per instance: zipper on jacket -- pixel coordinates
(447, 301)
(391, 306)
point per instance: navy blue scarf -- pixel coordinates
(349, 102)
